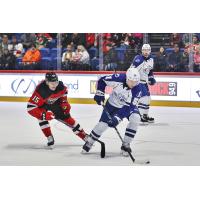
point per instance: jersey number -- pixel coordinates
(36, 99)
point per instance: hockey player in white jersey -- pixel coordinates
(144, 64)
(122, 103)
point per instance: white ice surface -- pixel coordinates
(173, 140)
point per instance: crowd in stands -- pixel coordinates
(176, 58)
(22, 50)
(81, 51)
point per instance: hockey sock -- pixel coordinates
(44, 125)
(79, 131)
(129, 135)
(143, 108)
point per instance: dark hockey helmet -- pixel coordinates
(51, 77)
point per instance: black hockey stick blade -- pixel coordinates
(132, 158)
(103, 150)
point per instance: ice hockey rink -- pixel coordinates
(174, 139)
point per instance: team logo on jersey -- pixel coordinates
(122, 98)
(23, 86)
(146, 70)
(137, 60)
(52, 100)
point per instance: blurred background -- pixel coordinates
(172, 52)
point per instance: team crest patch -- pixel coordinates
(137, 60)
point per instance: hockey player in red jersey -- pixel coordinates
(49, 101)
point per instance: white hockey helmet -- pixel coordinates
(146, 50)
(132, 74)
(146, 47)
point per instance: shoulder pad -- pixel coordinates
(43, 90)
(60, 86)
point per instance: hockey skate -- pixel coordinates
(88, 144)
(50, 142)
(125, 148)
(83, 135)
(150, 119)
(145, 119)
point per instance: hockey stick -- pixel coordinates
(118, 133)
(103, 151)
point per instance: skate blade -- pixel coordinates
(151, 122)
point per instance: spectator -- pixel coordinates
(160, 60)
(28, 39)
(195, 41)
(129, 37)
(66, 39)
(175, 38)
(185, 39)
(53, 35)
(115, 38)
(81, 59)
(90, 40)
(67, 58)
(138, 38)
(4, 44)
(15, 47)
(107, 39)
(42, 40)
(108, 36)
(174, 60)
(7, 60)
(184, 65)
(110, 58)
(125, 43)
(196, 66)
(77, 39)
(31, 59)
(135, 41)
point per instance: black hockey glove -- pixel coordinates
(99, 97)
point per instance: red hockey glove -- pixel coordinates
(48, 115)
